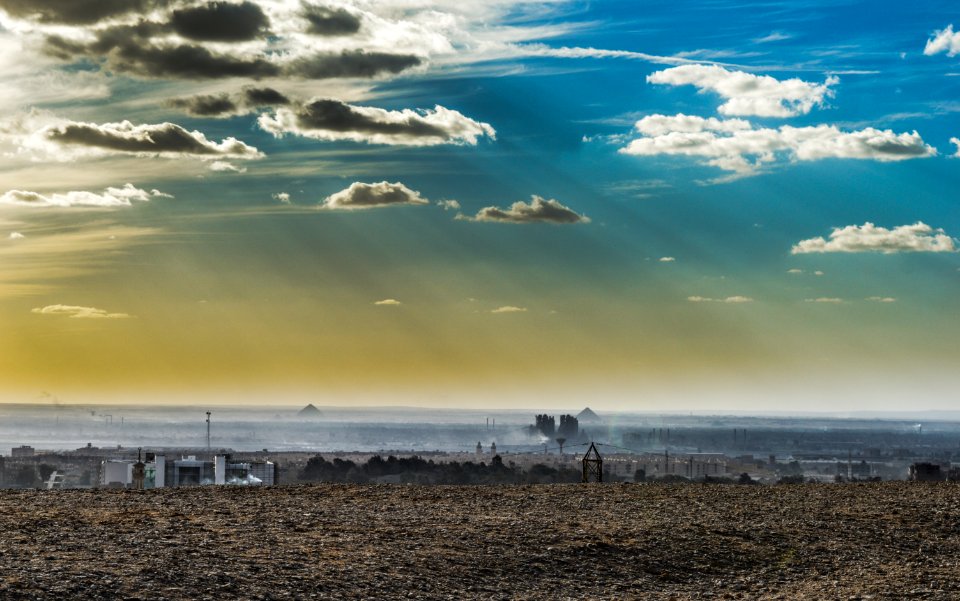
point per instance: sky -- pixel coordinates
(740, 205)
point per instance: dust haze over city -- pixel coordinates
(504, 299)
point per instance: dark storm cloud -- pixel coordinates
(145, 49)
(221, 22)
(188, 62)
(333, 115)
(106, 40)
(354, 63)
(163, 139)
(263, 97)
(73, 12)
(538, 210)
(327, 119)
(328, 21)
(129, 50)
(205, 105)
(227, 105)
(123, 35)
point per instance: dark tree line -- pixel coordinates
(422, 471)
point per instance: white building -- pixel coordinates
(116, 473)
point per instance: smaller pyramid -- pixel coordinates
(309, 411)
(587, 416)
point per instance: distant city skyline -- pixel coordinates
(514, 203)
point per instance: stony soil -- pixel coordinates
(853, 541)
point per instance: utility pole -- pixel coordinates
(208, 431)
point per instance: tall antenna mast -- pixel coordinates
(208, 431)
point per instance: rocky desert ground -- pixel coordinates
(610, 541)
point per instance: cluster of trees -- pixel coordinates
(27, 475)
(420, 471)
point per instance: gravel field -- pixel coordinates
(615, 541)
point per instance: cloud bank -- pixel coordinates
(74, 12)
(167, 140)
(65, 140)
(229, 105)
(749, 94)
(111, 197)
(738, 147)
(326, 119)
(868, 237)
(213, 40)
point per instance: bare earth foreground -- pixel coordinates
(854, 541)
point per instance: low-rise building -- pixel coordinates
(188, 471)
(22, 451)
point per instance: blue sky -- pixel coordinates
(736, 205)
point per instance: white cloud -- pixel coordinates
(449, 205)
(666, 259)
(943, 40)
(538, 209)
(282, 197)
(729, 300)
(795, 271)
(365, 196)
(388, 302)
(749, 94)
(661, 125)
(596, 53)
(735, 146)
(956, 142)
(111, 197)
(76, 312)
(226, 166)
(774, 36)
(334, 120)
(868, 237)
(509, 309)
(818, 273)
(825, 299)
(881, 299)
(15, 236)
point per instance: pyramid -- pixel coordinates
(309, 411)
(587, 416)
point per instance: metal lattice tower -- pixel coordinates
(592, 465)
